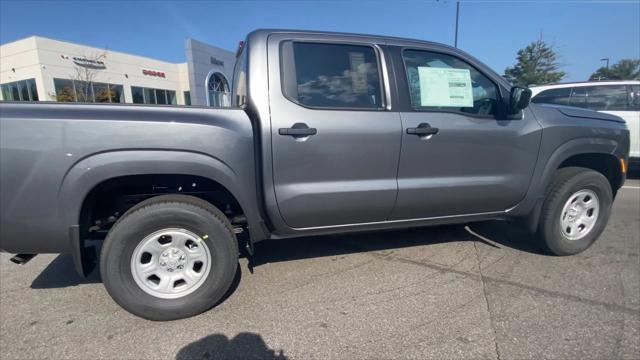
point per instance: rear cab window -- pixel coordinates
(331, 75)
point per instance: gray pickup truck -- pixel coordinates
(328, 133)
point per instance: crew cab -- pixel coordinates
(328, 133)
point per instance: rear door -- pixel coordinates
(459, 155)
(335, 141)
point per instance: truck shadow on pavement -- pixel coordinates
(245, 345)
(61, 273)
(496, 234)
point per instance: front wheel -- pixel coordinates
(575, 211)
(169, 257)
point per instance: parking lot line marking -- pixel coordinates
(631, 187)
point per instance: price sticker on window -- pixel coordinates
(445, 87)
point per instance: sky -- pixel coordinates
(582, 32)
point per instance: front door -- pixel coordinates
(458, 156)
(335, 144)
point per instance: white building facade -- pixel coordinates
(42, 69)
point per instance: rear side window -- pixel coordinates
(553, 96)
(331, 75)
(444, 82)
(602, 97)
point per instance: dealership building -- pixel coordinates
(42, 69)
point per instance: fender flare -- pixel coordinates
(575, 147)
(90, 171)
(531, 205)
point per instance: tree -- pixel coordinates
(625, 69)
(85, 71)
(537, 64)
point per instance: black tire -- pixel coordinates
(175, 211)
(567, 182)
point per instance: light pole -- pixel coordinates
(455, 43)
(606, 66)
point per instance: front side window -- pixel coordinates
(446, 83)
(23, 90)
(331, 75)
(558, 96)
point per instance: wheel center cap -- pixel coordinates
(172, 259)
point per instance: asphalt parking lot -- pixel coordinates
(484, 291)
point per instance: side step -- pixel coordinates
(22, 259)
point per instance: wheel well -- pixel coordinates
(606, 164)
(110, 199)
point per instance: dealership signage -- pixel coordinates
(216, 61)
(89, 63)
(153, 73)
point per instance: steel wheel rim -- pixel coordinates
(170, 263)
(579, 214)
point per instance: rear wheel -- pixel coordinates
(576, 210)
(169, 257)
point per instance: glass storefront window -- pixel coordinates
(23, 90)
(13, 89)
(117, 95)
(153, 96)
(161, 97)
(218, 90)
(137, 94)
(101, 92)
(64, 90)
(82, 91)
(187, 98)
(6, 95)
(33, 89)
(149, 96)
(171, 97)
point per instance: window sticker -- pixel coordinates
(445, 87)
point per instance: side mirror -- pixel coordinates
(519, 99)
